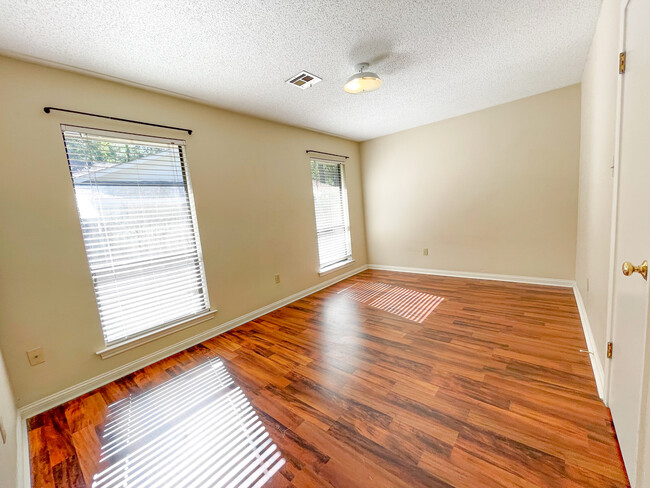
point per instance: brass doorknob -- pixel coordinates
(629, 268)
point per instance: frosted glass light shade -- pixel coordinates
(364, 81)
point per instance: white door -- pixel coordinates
(630, 312)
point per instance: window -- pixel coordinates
(332, 219)
(139, 227)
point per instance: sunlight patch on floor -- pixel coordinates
(410, 304)
(197, 429)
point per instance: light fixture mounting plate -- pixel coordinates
(360, 67)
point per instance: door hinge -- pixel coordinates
(609, 350)
(621, 63)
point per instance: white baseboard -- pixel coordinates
(74, 391)
(63, 396)
(594, 357)
(531, 280)
(596, 363)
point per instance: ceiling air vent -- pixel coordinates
(304, 80)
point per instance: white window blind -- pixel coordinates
(332, 218)
(139, 227)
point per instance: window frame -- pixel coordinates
(348, 259)
(154, 332)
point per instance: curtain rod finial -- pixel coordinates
(46, 110)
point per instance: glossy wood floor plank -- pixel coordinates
(383, 380)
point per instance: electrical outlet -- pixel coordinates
(35, 356)
(3, 432)
(425, 251)
(277, 278)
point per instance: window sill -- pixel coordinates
(120, 347)
(335, 267)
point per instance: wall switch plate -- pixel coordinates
(35, 356)
(277, 278)
(3, 432)
(425, 251)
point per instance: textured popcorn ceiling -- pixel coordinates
(437, 58)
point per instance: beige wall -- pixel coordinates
(493, 191)
(596, 158)
(8, 453)
(252, 188)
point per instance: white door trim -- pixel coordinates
(613, 265)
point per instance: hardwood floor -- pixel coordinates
(382, 380)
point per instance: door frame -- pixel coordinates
(643, 443)
(613, 265)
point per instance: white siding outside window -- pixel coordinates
(138, 221)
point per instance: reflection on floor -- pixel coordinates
(356, 388)
(411, 304)
(197, 429)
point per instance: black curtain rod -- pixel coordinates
(329, 154)
(47, 110)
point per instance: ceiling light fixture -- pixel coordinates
(362, 81)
